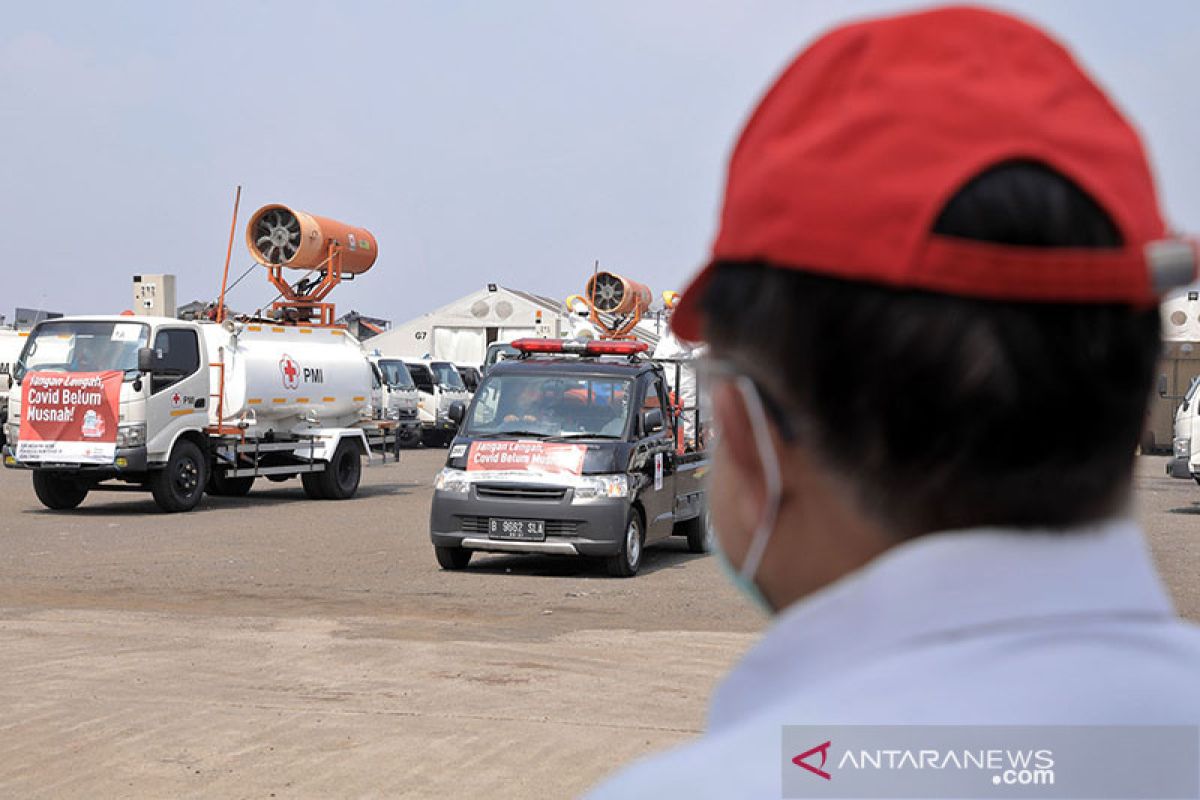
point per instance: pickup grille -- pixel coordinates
(495, 491)
(554, 527)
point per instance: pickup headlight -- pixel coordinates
(12, 431)
(132, 435)
(454, 481)
(1183, 448)
(593, 487)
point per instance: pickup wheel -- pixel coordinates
(220, 485)
(58, 493)
(339, 481)
(699, 532)
(452, 557)
(628, 561)
(180, 484)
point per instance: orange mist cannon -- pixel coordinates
(281, 237)
(625, 302)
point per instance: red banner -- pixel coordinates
(70, 417)
(525, 456)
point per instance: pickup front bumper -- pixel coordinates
(594, 528)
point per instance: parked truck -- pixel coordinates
(573, 448)
(440, 389)
(400, 398)
(11, 342)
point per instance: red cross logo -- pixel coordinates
(176, 399)
(291, 372)
(823, 749)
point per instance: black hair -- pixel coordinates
(947, 412)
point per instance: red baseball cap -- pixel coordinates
(847, 161)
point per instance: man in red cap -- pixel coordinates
(932, 317)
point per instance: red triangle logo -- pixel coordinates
(823, 749)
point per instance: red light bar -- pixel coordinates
(538, 345)
(591, 348)
(616, 348)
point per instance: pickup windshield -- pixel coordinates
(396, 375)
(83, 347)
(576, 406)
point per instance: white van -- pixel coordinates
(439, 386)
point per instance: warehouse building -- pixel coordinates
(462, 330)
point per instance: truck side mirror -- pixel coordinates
(457, 412)
(652, 420)
(1162, 385)
(147, 359)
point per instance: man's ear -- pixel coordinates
(737, 441)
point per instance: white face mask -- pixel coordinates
(743, 577)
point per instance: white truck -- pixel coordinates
(1185, 458)
(11, 342)
(178, 407)
(441, 388)
(400, 398)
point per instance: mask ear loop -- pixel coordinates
(770, 464)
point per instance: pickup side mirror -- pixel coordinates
(457, 412)
(1162, 385)
(652, 420)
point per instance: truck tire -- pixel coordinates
(699, 533)
(180, 484)
(452, 557)
(628, 561)
(340, 479)
(221, 485)
(56, 492)
(313, 488)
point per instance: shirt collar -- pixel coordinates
(940, 585)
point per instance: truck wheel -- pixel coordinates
(60, 494)
(452, 557)
(221, 485)
(340, 479)
(699, 533)
(313, 488)
(180, 484)
(628, 561)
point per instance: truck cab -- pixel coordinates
(1185, 456)
(402, 397)
(440, 387)
(570, 449)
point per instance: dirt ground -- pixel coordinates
(276, 647)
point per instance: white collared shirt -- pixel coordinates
(986, 626)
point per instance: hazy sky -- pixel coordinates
(512, 142)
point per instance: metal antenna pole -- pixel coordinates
(237, 199)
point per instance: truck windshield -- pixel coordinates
(447, 375)
(498, 351)
(396, 375)
(577, 406)
(69, 346)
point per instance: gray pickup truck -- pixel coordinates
(572, 448)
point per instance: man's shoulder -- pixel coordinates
(1078, 673)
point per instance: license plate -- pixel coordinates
(526, 529)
